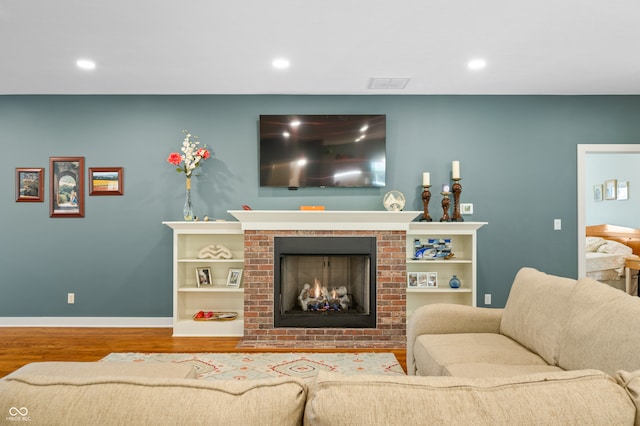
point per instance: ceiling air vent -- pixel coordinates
(388, 83)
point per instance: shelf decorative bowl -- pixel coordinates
(215, 316)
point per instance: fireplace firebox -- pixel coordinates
(325, 282)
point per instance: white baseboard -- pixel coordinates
(125, 322)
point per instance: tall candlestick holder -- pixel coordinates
(426, 196)
(445, 207)
(456, 188)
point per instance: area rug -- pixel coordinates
(243, 366)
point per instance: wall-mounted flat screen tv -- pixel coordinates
(298, 151)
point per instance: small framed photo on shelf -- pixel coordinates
(412, 279)
(610, 187)
(203, 277)
(427, 279)
(623, 190)
(234, 277)
(597, 192)
(29, 185)
(105, 181)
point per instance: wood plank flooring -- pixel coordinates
(22, 345)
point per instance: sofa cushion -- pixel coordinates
(602, 329)
(99, 369)
(434, 353)
(570, 397)
(631, 383)
(536, 312)
(149, 400)
(488, 369)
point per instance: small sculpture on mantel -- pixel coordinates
(216, 251)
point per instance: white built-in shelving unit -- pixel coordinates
(188, 239)
(463, 264)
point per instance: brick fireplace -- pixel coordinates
(390, 298)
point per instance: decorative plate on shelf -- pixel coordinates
(215, 316)
(393, 201)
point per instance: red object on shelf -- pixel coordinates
(215, 316)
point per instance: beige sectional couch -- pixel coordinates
(165, 394)
(549, 324)
(485, 367)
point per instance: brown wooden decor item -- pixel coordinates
(426, 196)
(446, 202)
(456, 188)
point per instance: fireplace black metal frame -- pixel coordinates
(326, 245)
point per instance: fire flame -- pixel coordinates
(316, 290)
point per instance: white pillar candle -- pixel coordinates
(445, 188)
(426, 179)
(455, 170)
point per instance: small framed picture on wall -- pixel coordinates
(66, 186)
(105, 181)
(29, 185)
(623, 190)
(610, 187)
(597, 192)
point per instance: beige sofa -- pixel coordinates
(549, 324)
(164, 394)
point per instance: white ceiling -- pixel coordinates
(335, 46)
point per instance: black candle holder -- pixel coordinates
(426, 196)
(446, 202)
(456, 188)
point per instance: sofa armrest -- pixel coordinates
(444, 318)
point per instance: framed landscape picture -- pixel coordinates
(29, 185)
(105, 181)
(66, 185)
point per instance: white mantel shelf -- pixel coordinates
(323, 220)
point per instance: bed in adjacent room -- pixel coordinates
(612, 252)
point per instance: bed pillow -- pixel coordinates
(593, 243)
(614, 247)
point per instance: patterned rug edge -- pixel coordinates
(247, 366)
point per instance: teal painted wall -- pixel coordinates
(517, 154)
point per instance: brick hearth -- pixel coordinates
(390, 330)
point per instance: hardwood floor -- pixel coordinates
(22, 345)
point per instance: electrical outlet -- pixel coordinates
(557, 224)
(487, 299)
(71, 298)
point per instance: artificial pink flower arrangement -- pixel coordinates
(191, 156)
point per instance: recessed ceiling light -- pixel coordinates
(477, 64)
(86, 64)
(280, 63)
